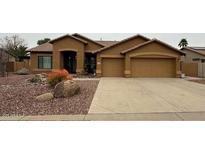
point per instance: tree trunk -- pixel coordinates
(3, 69)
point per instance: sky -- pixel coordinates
(194, 39)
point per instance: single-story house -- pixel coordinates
(194, 54)
(136, 56)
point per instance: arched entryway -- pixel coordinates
(69, 61)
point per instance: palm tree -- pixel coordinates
(183, 43)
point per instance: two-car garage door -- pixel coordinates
(153, 67)
(140, 67)
(113, 67)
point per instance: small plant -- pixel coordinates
(57, 76)
(34, 80)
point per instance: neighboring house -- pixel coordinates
(193, 54)
(136, 56)
(194, 61)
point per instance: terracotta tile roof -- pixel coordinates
(199, 51)
(67, 35)
(150, 41)
(125, 40)
(107, 43)
(86, 38)
(43, 47)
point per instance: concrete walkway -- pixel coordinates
(143, 96)
(139, 99)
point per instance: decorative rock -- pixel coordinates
(45, 75)
(45, 97)
(23, 71)
(38, 78)
(66, 89)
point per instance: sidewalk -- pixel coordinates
(169, 116)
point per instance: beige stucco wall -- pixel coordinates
(152, 50)
(114, 52)
(90, 46)
(68, 44)
(34, 61)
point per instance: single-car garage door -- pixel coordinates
(153, 67)
(112, 67)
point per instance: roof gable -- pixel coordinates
(121, 42)
(70, 36)
(86, 38)
(152, 41)
(106, 42)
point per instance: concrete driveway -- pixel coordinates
(147, 98)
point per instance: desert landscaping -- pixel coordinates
(20, 96)
(75, 76)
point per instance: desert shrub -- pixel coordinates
(23, 71)
(57, 76)
(34, 80)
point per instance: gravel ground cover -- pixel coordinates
(199, 81)
(17, 97)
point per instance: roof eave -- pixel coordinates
(67, 35)
(39, 51)
(124, 40)
(148, 42)
(192, 50)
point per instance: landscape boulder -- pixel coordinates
(45, 97)
(45, 75)
(39, 78)
(66, 89)
(23, 71)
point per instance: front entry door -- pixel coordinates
(70, 62)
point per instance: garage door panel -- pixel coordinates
(113, 67)
(153, 67)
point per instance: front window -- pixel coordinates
(44, 62)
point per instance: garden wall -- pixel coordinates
(201, 69)
(23, 64)
(190, 69)
(194, 69)
(14, 66)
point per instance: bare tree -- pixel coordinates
(12, 45)
(4, 58)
